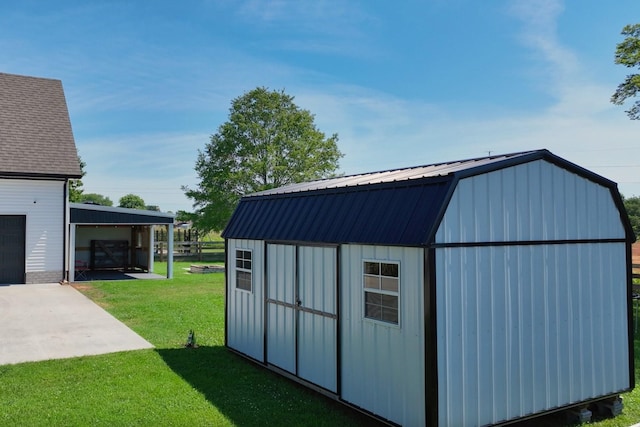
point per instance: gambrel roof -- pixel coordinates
(36, 139)
(394, 207)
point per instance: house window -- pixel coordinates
(381, 287)
(243, 270)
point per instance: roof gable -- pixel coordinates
(35, 131)
(395, 207)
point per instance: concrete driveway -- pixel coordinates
(53, 321)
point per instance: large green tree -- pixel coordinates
(628, 54)
(268, 141)
(132, 201)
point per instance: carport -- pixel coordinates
(105, 238)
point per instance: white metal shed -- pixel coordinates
(467, 293)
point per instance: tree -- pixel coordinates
(75, 185)
(632, 206)
(132, 201)
(97, 199)
(628, 54)
(267, 142)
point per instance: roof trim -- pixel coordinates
(98, 214)
(38, 176)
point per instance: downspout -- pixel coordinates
(65, 232)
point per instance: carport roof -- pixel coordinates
(96, 214)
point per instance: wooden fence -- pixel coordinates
(192, 251)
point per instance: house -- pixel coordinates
(38, 158)
(468, 293)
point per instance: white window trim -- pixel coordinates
(382, 292)
(250, 271)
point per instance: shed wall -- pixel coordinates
(531, 294)
(523, 329)
(382, 366)
(529, 202)
(245, 310)
(43, 203)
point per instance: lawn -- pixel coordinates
(176, 386)
(170, 385)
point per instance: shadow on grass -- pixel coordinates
(248, 394)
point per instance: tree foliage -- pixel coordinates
(132, 201)
(97, 199)
(628, 54)
(267, 142)
(75, 185)
(632, 206)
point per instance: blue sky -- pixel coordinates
(402, 83)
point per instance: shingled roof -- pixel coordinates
(35, 131)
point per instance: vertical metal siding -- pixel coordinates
(317, 334)
(524, 329)
(529, 202)
(245, 318)
(529, 326)
(382, 366)
(281, 325)
(43, 203)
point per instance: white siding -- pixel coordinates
(529, 327)
(533, 201)
(245, 315)
(382, 367)
(43, 203)
(281, 323)
(523, 329)
(317, 334)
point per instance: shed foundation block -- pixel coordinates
(612, 407)
(578, 415)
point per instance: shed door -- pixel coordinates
(301, 312)
(12, 249)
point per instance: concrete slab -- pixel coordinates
(53, 321)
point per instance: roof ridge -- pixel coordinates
(390, 175)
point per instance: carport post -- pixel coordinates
(152, 246)
(169, 251)
(71, 248)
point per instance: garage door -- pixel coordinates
(12, 247)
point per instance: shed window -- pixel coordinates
(381, 288)
(243, 270)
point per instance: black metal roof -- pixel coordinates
(394, 207)
(96, 214)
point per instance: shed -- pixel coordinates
(106, 237)
(468, 293)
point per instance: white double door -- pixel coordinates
(301, 312)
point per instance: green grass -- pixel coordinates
(167, 386)
(176, 386)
